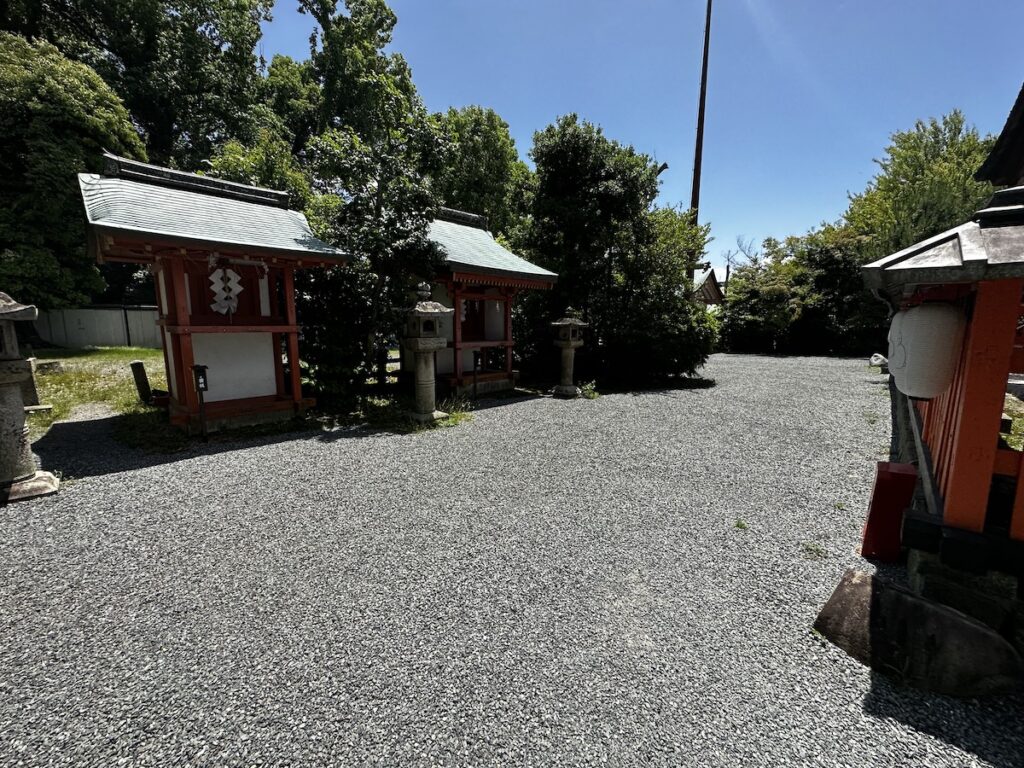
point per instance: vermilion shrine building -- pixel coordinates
(481, 282)
(223, 256)
(966, 514)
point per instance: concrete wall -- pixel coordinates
(100, 327)
(240, 364)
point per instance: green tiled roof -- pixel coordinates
(166, 210)
(473, 249)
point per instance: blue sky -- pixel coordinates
(803, 94)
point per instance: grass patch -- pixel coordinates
(589, 390)
(1014, 408)
(741, 525)
(98, 375)
(102, 375)
(872, 417)
(813, 551)
(391, 413)
(840, 506)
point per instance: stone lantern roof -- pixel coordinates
(13, 310)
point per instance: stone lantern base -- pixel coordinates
(423, 348)
(38, 484)
(564, 390)
(427, 418)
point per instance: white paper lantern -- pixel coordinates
(897, 354)
(924, 346)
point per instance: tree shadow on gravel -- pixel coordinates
(680, 386)
(489, 401)
(95, 447)
(989, 728)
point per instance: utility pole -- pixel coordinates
(699, 148)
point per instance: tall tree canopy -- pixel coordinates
(622, 263)
(56, 117)
(292, 92)
(806, 294)
(925, 185)
(185, 69)
(483, 173)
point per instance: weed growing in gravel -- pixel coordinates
(813, 550)
(840, 506)
(872, 417)
(391, 414)
(741, 525)
(589, 390)
(458, 409)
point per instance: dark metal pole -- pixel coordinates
(699, 148)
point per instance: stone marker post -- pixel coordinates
(18, 476)
(569, 340)
(423, 339)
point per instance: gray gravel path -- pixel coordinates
(553, 583)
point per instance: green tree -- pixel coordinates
(370, 165)
(925, 185)
(56, 117)
(290, 89)
(266, 163)
(807, 295)
(758, 307)
(620, 262)
(185, 69)
(657, 328)
(833, 313)
(483, 174)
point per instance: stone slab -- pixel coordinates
(916, 641)
(39, 484)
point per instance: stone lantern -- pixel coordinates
(19, 478)
(569, 338)
(423, 338)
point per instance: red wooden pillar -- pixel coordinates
(161, 273)
(1017, 521)
(508, 332)
(457, 336)
(182, 339)
(293, 337)
(988, 347)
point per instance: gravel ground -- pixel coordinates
(552, 583)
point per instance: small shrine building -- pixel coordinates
(481, 281)
(957, 336)
(706, 288)
(223, 256)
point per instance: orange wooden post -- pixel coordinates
(293, 337)
(508, 332)
(1017, 521)
(989, 344)
(160, 271)
(182, 341)
(457, 336)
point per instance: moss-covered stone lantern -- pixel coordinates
(19, 478)
(568, 338)
(423, 337)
